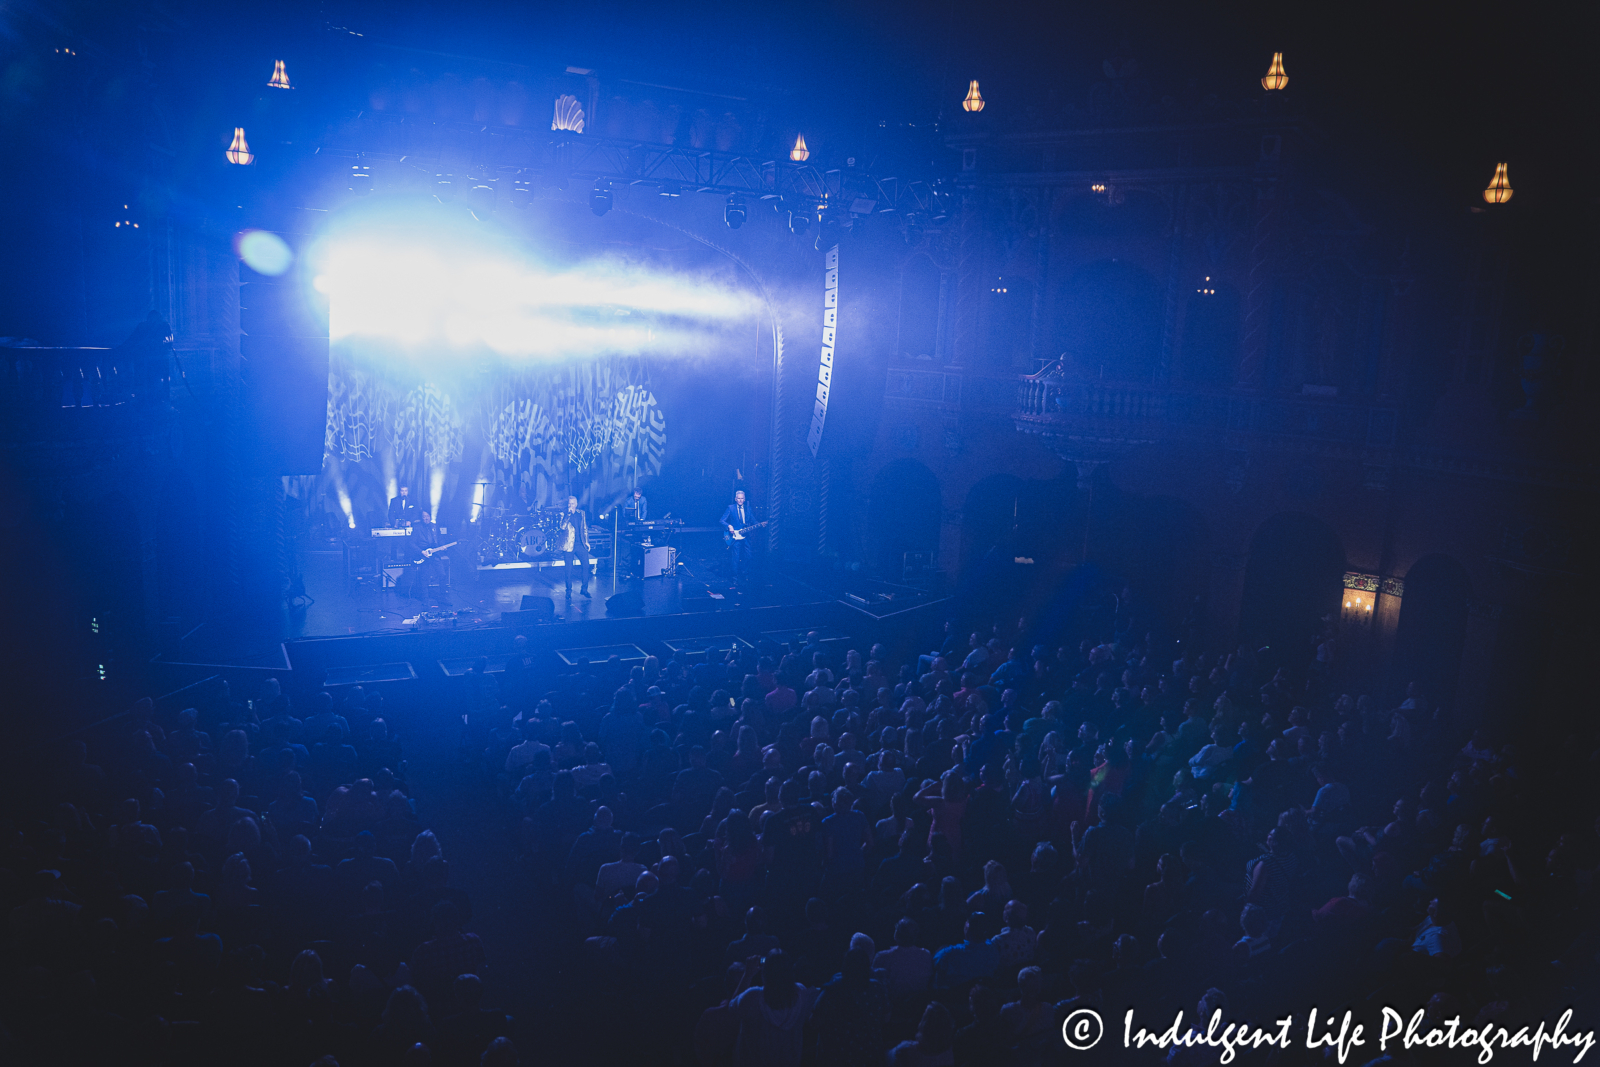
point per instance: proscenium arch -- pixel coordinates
(1292, 580)
(1432, 629)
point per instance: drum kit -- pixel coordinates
(513, 536)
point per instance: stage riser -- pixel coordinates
(424, 649)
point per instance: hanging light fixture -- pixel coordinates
(280, 77)
(974, 100)
(1276, 79)
(1499, 190)
(239, 150)
(800, 153)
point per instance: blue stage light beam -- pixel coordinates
(424, 290)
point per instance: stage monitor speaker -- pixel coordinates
(630, 602)
(360, 559)
(539, 605)
(535, 610)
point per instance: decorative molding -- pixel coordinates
(1373, 583)
(1368, 434)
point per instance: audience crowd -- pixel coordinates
(822, 852)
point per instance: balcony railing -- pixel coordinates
(45, 379)
(1046, 401)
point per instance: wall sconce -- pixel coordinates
(1358, 607)
(1499, 190)
(1276, 79)
(800, 153)
(1360, 600)
(1206, 289)
(239, 150)
(280, 77)
(974, 101)
(1098, 187)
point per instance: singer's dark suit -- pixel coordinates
(578, 558)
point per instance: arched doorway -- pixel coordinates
(1159, 546)
(1291, 582)
(1432, 629)
(1006, 519)
(902, 514)
(989, 517)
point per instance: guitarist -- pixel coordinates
(734, 521)
(431, 567)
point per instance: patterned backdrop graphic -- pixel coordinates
(527, 436)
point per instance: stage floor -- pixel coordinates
(337, 607)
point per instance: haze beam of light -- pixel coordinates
(342, 493)
(422, 294)
(435, 491)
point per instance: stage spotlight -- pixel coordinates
(798, 221)
(735, 213)
(521, 193)
(360, 180)
(443, 188)
(600, 198)
(828, 233)
(913, 231)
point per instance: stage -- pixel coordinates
(483, 611)
(341, 607)
(345, 632)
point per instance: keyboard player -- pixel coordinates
(636, 508)
(403, 512)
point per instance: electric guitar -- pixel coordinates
(428, 552)
(730, 535)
